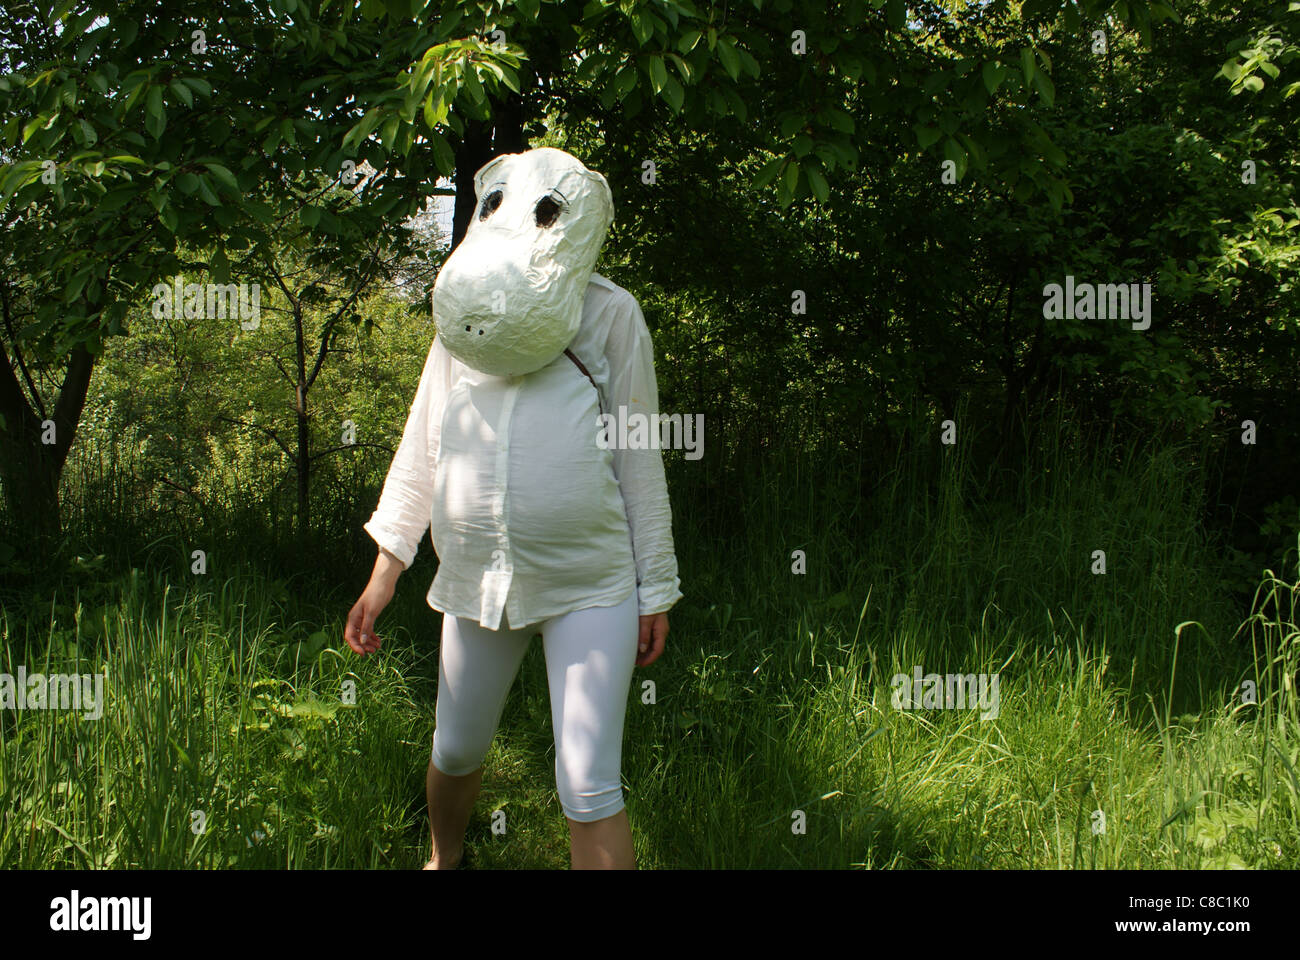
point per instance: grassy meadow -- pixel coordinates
(239, 730)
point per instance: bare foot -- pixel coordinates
(439, 863)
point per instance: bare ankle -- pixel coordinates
(448, 861)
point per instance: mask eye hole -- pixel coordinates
(490, 204)
(547, 210)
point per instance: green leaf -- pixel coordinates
(730, 59)
(625, 81)
(38, 122)
(789, 182)
(219, 265)
(683, 67)
(224, 175)
(841, 120)
(182, 92)
(259, 211)
(687, 41)
(205, 191)
(155, 120)
(768, 173)
(820, 188)
(470, 83)
(674, 94)
(737, 105)
(927, 135)
(435, 110)
(77, 284)
(363, 127)
(1046, 89)
(642, 28)
(658, 73)
(994, 74)
(442, 154)
(952, 150)
(1027, 65)
(973, 148)
(116, 198)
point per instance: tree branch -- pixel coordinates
(349, 446)
(266, 430)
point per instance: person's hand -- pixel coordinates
(360, 629)
(654, 631)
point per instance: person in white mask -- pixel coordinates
(539, 527)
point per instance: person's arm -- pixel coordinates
(387, 568)
(640, 473)
(405, 505)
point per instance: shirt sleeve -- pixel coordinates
(405, 506)
(630, 354)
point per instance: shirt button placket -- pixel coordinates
(502, 487)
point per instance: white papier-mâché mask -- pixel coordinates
(509, 299)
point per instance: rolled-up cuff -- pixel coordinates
(391, 542)
(657, 599)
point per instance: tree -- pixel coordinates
(130, 132)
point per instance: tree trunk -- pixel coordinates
(503, 133)
(29, 467)
(300, 415)
(304, 463)
(474, 150)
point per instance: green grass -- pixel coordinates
(1120, 694)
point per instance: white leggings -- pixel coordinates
(589, 659)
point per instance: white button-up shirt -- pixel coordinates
(529, 516)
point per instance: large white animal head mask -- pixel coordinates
(509, 299)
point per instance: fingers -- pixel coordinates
(360, 630)
(660, 638)
(369, 641)
(350, 629)
(654, 634)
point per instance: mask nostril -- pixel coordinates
(480, 333)
(467, 327)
